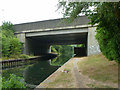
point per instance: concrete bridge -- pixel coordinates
(39, 36)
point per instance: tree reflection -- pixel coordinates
(38, 72)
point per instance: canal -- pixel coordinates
(35, 71)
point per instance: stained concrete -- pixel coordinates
(93, 47)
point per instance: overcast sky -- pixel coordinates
(22, 11)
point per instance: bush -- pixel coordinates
(13, 82)
(15, 46)
(108, 29)
(109, 43)
(24, 56)
(11, 46)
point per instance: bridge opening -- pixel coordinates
(39, 45)
(62, 49)
(80, 50)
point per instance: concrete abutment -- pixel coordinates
(32, 46)
(92, 44)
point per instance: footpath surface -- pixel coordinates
(69, 76)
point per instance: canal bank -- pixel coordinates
(10, 62)
(73, 74)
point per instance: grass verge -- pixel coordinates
(97, 67)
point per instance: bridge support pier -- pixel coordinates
(92, 44)
(34, 47)
(22, 39)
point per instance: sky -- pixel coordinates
(22, 11)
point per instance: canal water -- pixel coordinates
(35, 71)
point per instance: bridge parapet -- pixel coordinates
(53, 23)
(57, 28)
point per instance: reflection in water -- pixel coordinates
(38, 72)
(61, 60)
(18, 71)
(35, 71)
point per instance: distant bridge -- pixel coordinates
(39, 36)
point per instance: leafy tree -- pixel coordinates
(108, 29)
(62, 49)
(7, 26)
(57, 49)
(107, 16)
(10, 44)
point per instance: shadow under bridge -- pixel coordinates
(39, 43)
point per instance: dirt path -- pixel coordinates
(79, 78)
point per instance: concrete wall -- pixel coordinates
(92, 45)
(32, 46)
(22, 39)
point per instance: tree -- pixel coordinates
(108, 29)
(107, 16)
(10, 44)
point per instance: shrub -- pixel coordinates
(11, 46)
(24, 56)
(15, 46)
(108, 29)
(109, 43)
(13, 82)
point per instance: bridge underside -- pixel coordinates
(41, 44)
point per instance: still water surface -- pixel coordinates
(35, 71)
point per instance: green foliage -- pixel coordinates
(15, 46)
(24, 56)
(13, 82)
(66, 49)
(65, 53)
(80, 45)
(61, 59)
(72, 9)
(10, 44)
(108, 29)
(0, 81)
(7, 26)
(107, 16)
(53, 49)
(57, 49)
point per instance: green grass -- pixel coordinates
(97, 86)
(62, 79)
(97, 67)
